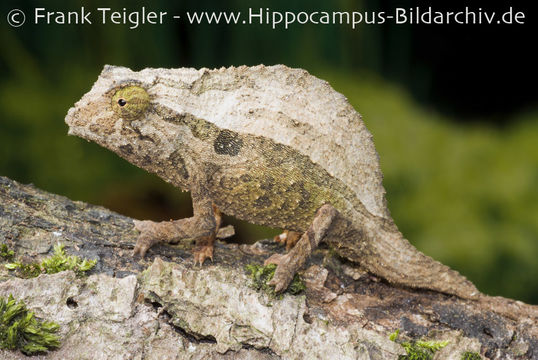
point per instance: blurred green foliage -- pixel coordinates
(464, 194)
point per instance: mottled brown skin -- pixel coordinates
(252, 177)
(267, 183)
(249, 177)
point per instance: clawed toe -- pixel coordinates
(202, 253)
(140, 249)
(283, 273)
(146, 238)
(281, 279)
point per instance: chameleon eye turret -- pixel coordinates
(130, 102)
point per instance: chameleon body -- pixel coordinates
(270, 145)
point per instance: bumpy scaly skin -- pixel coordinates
(270, 145)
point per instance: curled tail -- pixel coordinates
(383, 251)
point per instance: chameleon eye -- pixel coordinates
(130, 102)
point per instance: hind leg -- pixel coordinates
(204, 244)
(288, 264)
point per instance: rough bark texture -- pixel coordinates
(164, 307)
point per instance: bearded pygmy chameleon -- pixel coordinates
(267, 144)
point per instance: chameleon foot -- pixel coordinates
(287, 265)
(285, 270)
(150, 234)
(202, 228)
(289, 238)
(201, 253)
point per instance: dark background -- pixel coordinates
(452, 108)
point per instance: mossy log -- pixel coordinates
(164, 307)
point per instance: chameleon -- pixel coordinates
(271, 145)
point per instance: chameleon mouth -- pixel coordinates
(78, 125)
(71, 119)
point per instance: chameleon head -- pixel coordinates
(119, 114)
(115, 101)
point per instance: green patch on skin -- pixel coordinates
(261, 275)
(201, 129)
(6, 253)
(130, 102)
(59, 261)
(281, 188)
(19, 329)
(419, 349)
(468, 355)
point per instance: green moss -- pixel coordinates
(5, 252)
(59, 261)
(261, 275)
(468, 355)
(19, 329)
(419, 349)
(394, 335)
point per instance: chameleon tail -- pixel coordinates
(386, 253)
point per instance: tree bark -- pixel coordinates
(164, 307)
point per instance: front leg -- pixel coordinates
(288, 264)
(203, 227)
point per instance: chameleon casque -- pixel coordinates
(267, 144)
